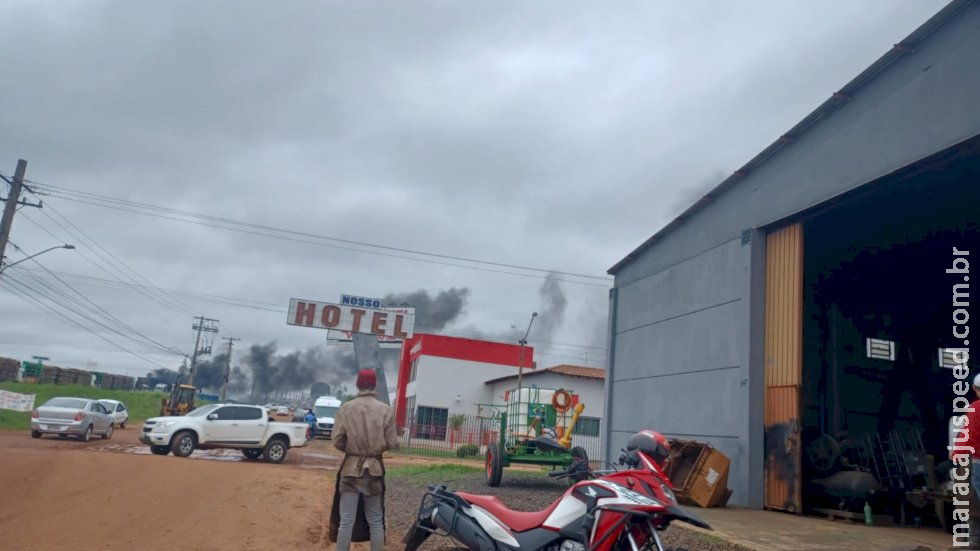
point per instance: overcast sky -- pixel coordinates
(555, 136)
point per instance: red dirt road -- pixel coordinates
(111, 494)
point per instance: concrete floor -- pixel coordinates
(774, 531)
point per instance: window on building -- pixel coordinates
(430, 423)
(415, 370)
(586, 426)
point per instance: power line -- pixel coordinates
(23, 291)
(162, 212)
(147, 341)
(279, 309)
(172, 305)
(120, 261)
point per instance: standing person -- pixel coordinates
(311, 421)
(973, 441)
(364, 429)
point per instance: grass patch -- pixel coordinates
(432, 473)
(141, 404)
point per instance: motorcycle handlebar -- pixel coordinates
(556, 474)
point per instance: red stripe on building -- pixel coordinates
(455, 348)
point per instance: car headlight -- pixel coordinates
(164, 424)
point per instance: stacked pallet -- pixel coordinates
(74, 377)
(9, 368)
(117, 382)
(49, 375)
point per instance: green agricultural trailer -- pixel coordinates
(533, 431)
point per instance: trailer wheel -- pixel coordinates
(494, 464)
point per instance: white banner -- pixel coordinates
(16, 402)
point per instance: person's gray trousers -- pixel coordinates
(351, 490)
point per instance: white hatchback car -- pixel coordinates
(118, 411)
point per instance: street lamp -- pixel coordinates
(65, 246)
(520, 365)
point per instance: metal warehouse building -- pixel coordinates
(746, 321)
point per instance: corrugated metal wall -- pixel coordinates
(784, 366)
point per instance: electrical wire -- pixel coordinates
(540, 346)
(272, 231)
(23, 291)
(147, 341)
(185, 310)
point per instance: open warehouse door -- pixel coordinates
(876, 390)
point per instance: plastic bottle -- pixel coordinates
(868, 519)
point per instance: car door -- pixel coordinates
(222, 425)
(100, 418)
(121, 415)
(252, 425)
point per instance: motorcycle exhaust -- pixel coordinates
(461, 527)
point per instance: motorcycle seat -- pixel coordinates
(518, 521)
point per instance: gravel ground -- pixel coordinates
(521, 491)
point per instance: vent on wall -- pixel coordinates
(880, 349)
(951, 357)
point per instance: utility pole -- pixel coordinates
(520, 367)
(203, 325)
(224, 387)
(13, 199)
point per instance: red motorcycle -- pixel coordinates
(608, 511)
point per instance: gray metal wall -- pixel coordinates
(686, 315)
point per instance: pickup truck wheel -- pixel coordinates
(251, 453)
(35, 434)
(183, 444)
(275, 451)
(159, 450)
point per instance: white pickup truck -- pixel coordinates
(236, 426)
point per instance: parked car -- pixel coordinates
(237, 426)
(282, 410)
(67, 416)
(118, 411)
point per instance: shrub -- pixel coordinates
(468, 450)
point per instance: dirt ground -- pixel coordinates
(112, 494)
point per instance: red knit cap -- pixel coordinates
(366, 379)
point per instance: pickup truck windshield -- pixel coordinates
(325, 411)
(201, 411)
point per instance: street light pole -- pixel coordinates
(4, 267)
(520, 365)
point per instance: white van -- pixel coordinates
(325, 408)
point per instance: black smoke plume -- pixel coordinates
(551, 314)
(265, 370)
(272, 371)
(431, 313)
(210, 375)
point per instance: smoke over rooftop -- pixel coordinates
(432, 313)
(551, 314)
